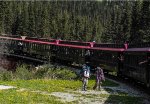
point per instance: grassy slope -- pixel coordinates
(14, 96)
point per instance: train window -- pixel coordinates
(36, 46)
(46, 47)
(49, 47)
(32, 45)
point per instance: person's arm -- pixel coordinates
(143, 62)
(119, 58)
(95, 72)
(81, 72)
(103, 77)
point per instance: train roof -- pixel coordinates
(140, 45)
(110, 49)
(74, 43)
(147, 49)
(109, 45)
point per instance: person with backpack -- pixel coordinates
(85, 73)
(87, 56)
(99, 78)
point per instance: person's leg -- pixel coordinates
(83, 84)
(86, 83)
(100, 85)
(95, 86)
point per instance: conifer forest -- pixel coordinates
(96, 20)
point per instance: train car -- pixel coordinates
(137, 63)
(108, 56)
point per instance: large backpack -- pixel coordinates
(86, 73)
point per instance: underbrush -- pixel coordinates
(6, 75)
(23, 72)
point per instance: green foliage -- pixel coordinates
(40, 73)
(22, 72)
(6, 75)
(102, 21)
(47, 71)
(135, 28)
(55, 73)
(63, 74)
(145, 21)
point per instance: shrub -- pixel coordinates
(22, 72)
(60, 73)
(40, 73)
(54, 72)
(6, 75)
(46, 71)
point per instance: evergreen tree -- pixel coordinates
(32, 23)
(7, 17)
(65, 25)
(117, 38)
(45, 20)
(135, 27)
(126, 21)
(102, 21)
(23, 20)
(145, 21)
(1, 17)
(97, 30)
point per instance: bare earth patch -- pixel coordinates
(2, 87)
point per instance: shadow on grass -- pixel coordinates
(123, 99)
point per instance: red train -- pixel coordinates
(132, 61)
